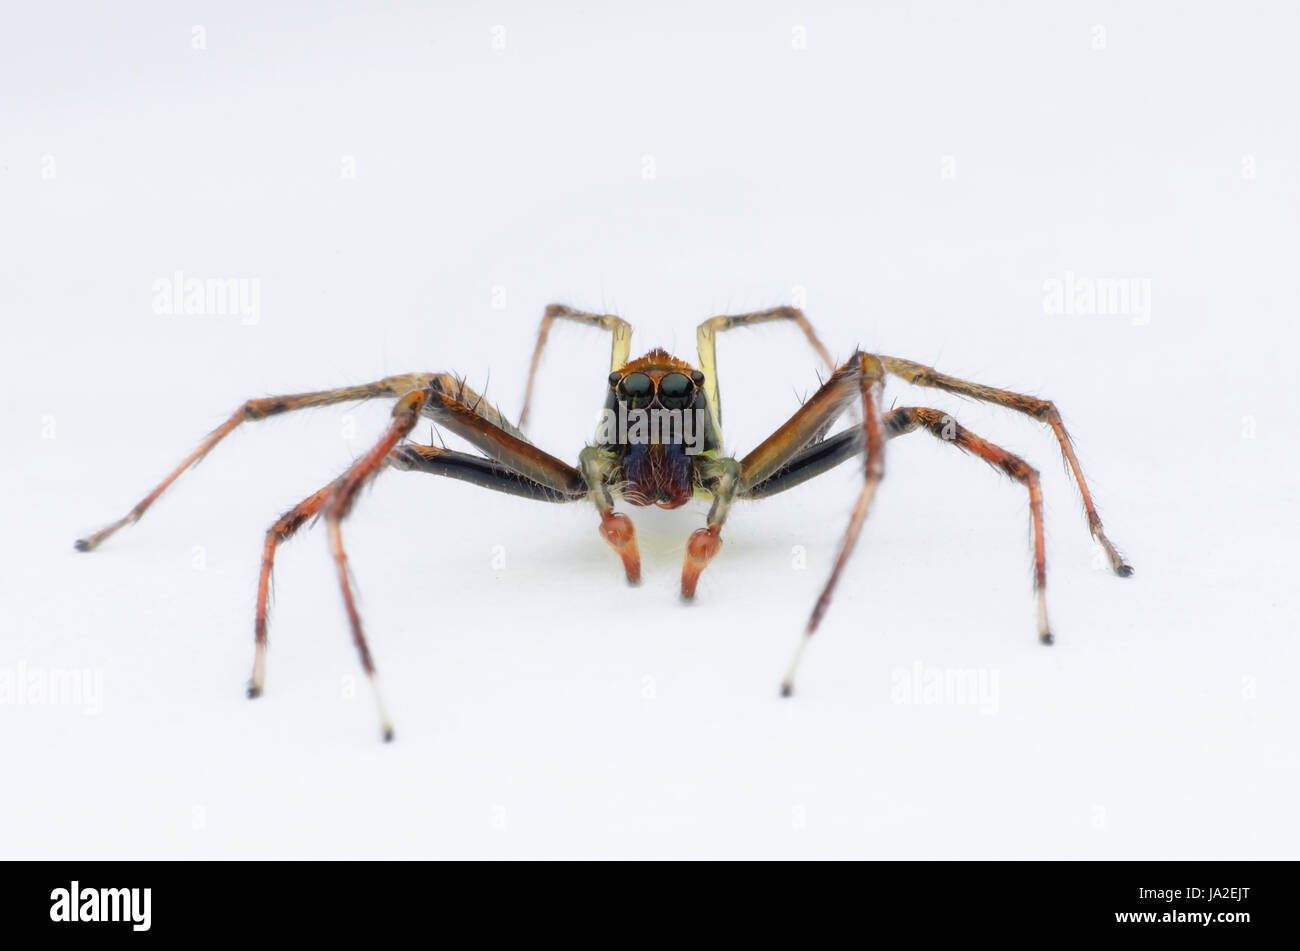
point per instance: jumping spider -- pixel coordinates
(665, 468)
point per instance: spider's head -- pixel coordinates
(657, 381)
(656, 418)
(640, 389)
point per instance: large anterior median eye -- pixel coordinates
(675, 391)
(636, 388)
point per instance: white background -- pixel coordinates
(542, 707)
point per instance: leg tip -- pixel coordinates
(388, 734)
(787, 689)
(1046, 638)
(1125, 570)
(83, 544)
(254, 691)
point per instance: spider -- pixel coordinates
(665, 465)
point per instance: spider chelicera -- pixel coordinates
(659, 443)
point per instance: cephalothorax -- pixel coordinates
(658, 443)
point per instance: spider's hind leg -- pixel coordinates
(1042, 410)
(821, 457)
(946, 429)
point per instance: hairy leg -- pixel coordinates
(857, 382)
(728, 479)
(620, 330)
(434, 460)
(284, 528)
(948, 430)
(824, 456)
(257, 409)
(1044, 410)
(869, 380)
(706, 338)
(477, 470)
(339, 504)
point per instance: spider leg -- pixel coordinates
(857, 382)
(458, 409)
(445, 402)
(338, 504)
(467, 413)
(728, 479)
(1043, 410)
(945, 428)
(620, 329)
(842, 390)
(813, 460)
(862, 377)
(466, 467)
(597, 467)
(257, 409)
(284, 528)
(412, 457)
(821, 457)
(706, 338)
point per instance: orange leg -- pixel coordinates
(255, 410)
(1044, 410)
(869, 380)
(945, 428)
(455, 406)
(281, 531)
(341, 497)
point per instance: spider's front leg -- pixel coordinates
(592, 479)
(860, 378)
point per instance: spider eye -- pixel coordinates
(614, 378)
(636, 386)
(675, 391)
(698, 377)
